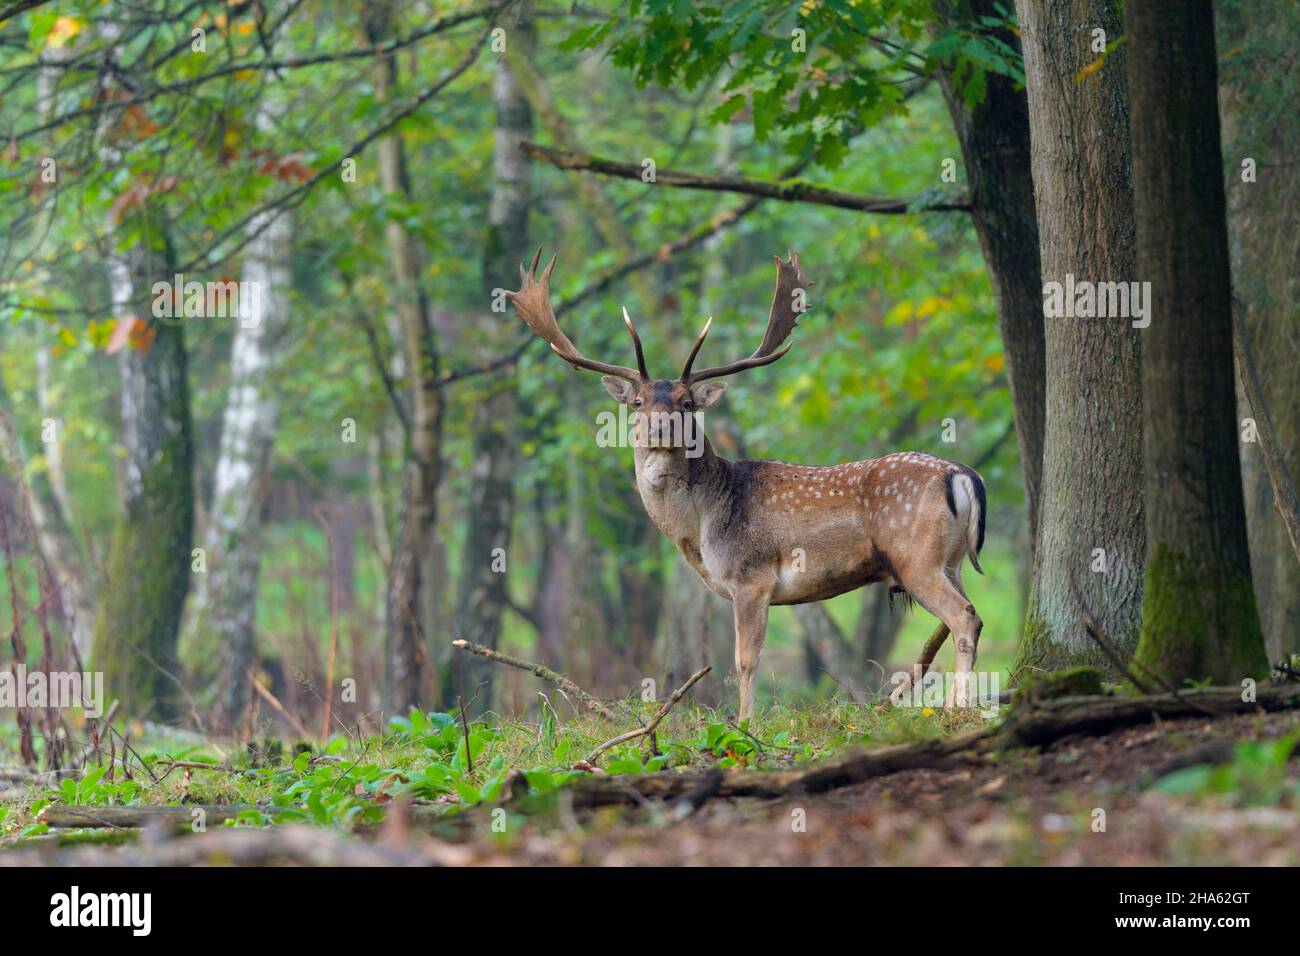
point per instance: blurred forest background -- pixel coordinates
(350, 463)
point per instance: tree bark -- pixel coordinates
(484, 565)
(148, 572)
(1265, 246)
(1090, 524)
(408, 607)
(225, 599)
(994, 137)
(1091, 509)
(1199, 616)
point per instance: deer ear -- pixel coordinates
(708, 393)
(620, 388)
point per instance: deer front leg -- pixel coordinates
(750, 606)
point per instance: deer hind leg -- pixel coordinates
(944, 598)
(750, 606)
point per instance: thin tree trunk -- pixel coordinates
(876, 633)
(994, 137)
(52, 507)
(484, 565)
(408, 606)
(1199, 617)
(553, 599)
(225, 599)
(828, 654)
(1090, 522)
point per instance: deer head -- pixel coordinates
(665, 407)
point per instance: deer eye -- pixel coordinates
(637, 403)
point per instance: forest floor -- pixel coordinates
(1192, 791)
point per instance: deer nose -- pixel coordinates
(660, 425)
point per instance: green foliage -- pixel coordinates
(1256, 775)
(818, 72)
(92, 790)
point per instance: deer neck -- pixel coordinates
(676, 489)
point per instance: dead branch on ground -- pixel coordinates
(654, 721)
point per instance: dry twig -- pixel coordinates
(540, 670)
(654, 721)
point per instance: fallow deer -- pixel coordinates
(767, 532)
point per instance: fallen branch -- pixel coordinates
(847, 771)
(654, 721)
(1051, 720)
(246, 846)
(59, 816)
(788, 191)
(540, 670)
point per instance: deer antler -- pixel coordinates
(533, 303)
(780, 323)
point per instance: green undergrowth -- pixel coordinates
(350, 782)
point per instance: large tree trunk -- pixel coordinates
(484, 561)
(994, 137)
(1090, 526)
(409, 606)
(148, 571)
(225, 599)
(1199, 619)
(1265, 246)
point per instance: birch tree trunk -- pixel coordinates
(1091, 535)
(225, 599)
(1199, 617)
(484, 564)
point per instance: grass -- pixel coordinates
(347, 782)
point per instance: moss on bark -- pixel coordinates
(1199, 623)
(138, 620)
(1040, 652)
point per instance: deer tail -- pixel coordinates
(966, 484)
